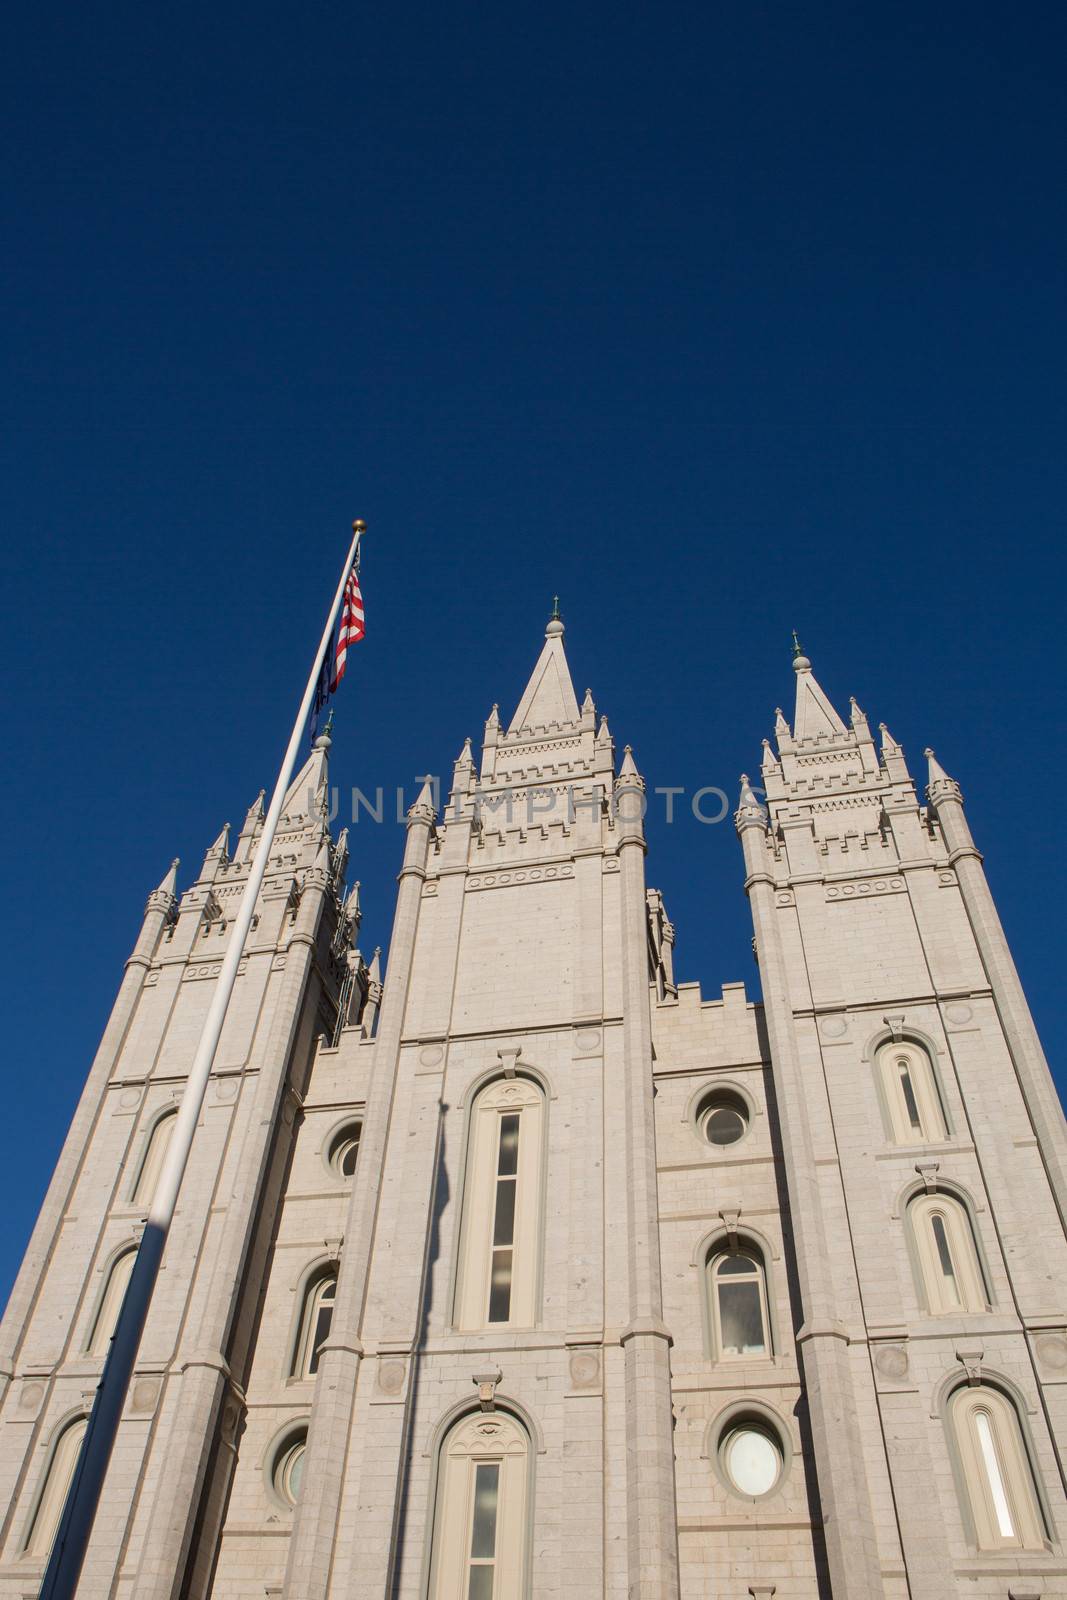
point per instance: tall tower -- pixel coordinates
(922, 1154)
(171, 1470)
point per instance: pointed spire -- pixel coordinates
(374, 971)
(221, 847)
(815, 715)
(424, 809)
(936, 772)
(322, 856)
(169, 886)
(603, 734)
(255, 811)
(889, 744)
(750, 807)
(493, 719)
(770, 760)
(628, 769)
(165, 898)
(587, 703)
(465, 759)
(309, 790)
(549, 696)
(940, 787)
(781, 726)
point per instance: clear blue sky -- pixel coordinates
(716, 320)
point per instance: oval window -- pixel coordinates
(344, 1150)
(752, 1459)
(724, 1119)
(288, 1474)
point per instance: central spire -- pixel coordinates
(549, 695)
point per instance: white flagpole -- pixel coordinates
(72, 1536)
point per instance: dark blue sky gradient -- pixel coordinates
(716, 321)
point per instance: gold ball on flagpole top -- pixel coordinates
(359, 526)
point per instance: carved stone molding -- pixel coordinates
(505, 879)
(865, 887)
(485, 1383)
(971, 1362)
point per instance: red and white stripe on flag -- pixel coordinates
(352, 628)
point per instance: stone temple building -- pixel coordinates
(530, 1271)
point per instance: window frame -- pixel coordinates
(313, 1282)
(277, 1460)
(125, 1251)
(746, 1240)
(61, 1433)
(488, 1101)
(998, 1399)
(165, 1114)
(762, 1418)
(333, 1142)
(928, 1091)
(467, 1435)
(726, 1251)
(970, 1268)
(701, 1103)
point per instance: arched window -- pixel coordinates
(911, 1093)
(501, 1218)
(948, 1258)
(997, 1477)
(110, 1302)
(52, 1495)
(480, 1514)
(152, 1158)
(737, 1298)
(316, 1315)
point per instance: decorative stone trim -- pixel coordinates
(865, 887)
(485, 1383)
(505, 879)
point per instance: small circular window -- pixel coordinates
(287, 1474)
(723, 1119)
(344, 1150)
(752, 1459)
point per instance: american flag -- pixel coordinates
(350, 630)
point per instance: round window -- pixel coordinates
(724, 1119)
(344, 1150)
(752, 1459)
(288, 1473)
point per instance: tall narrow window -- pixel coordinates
(498, 1260)
(912, 1096)
(738, 1297)
(152, 1159)
(316, 1318)
(997, 1477)
(110, 1302)
(479, 1534)
(948, 1260)
(507, 1185)
(53, 1493)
